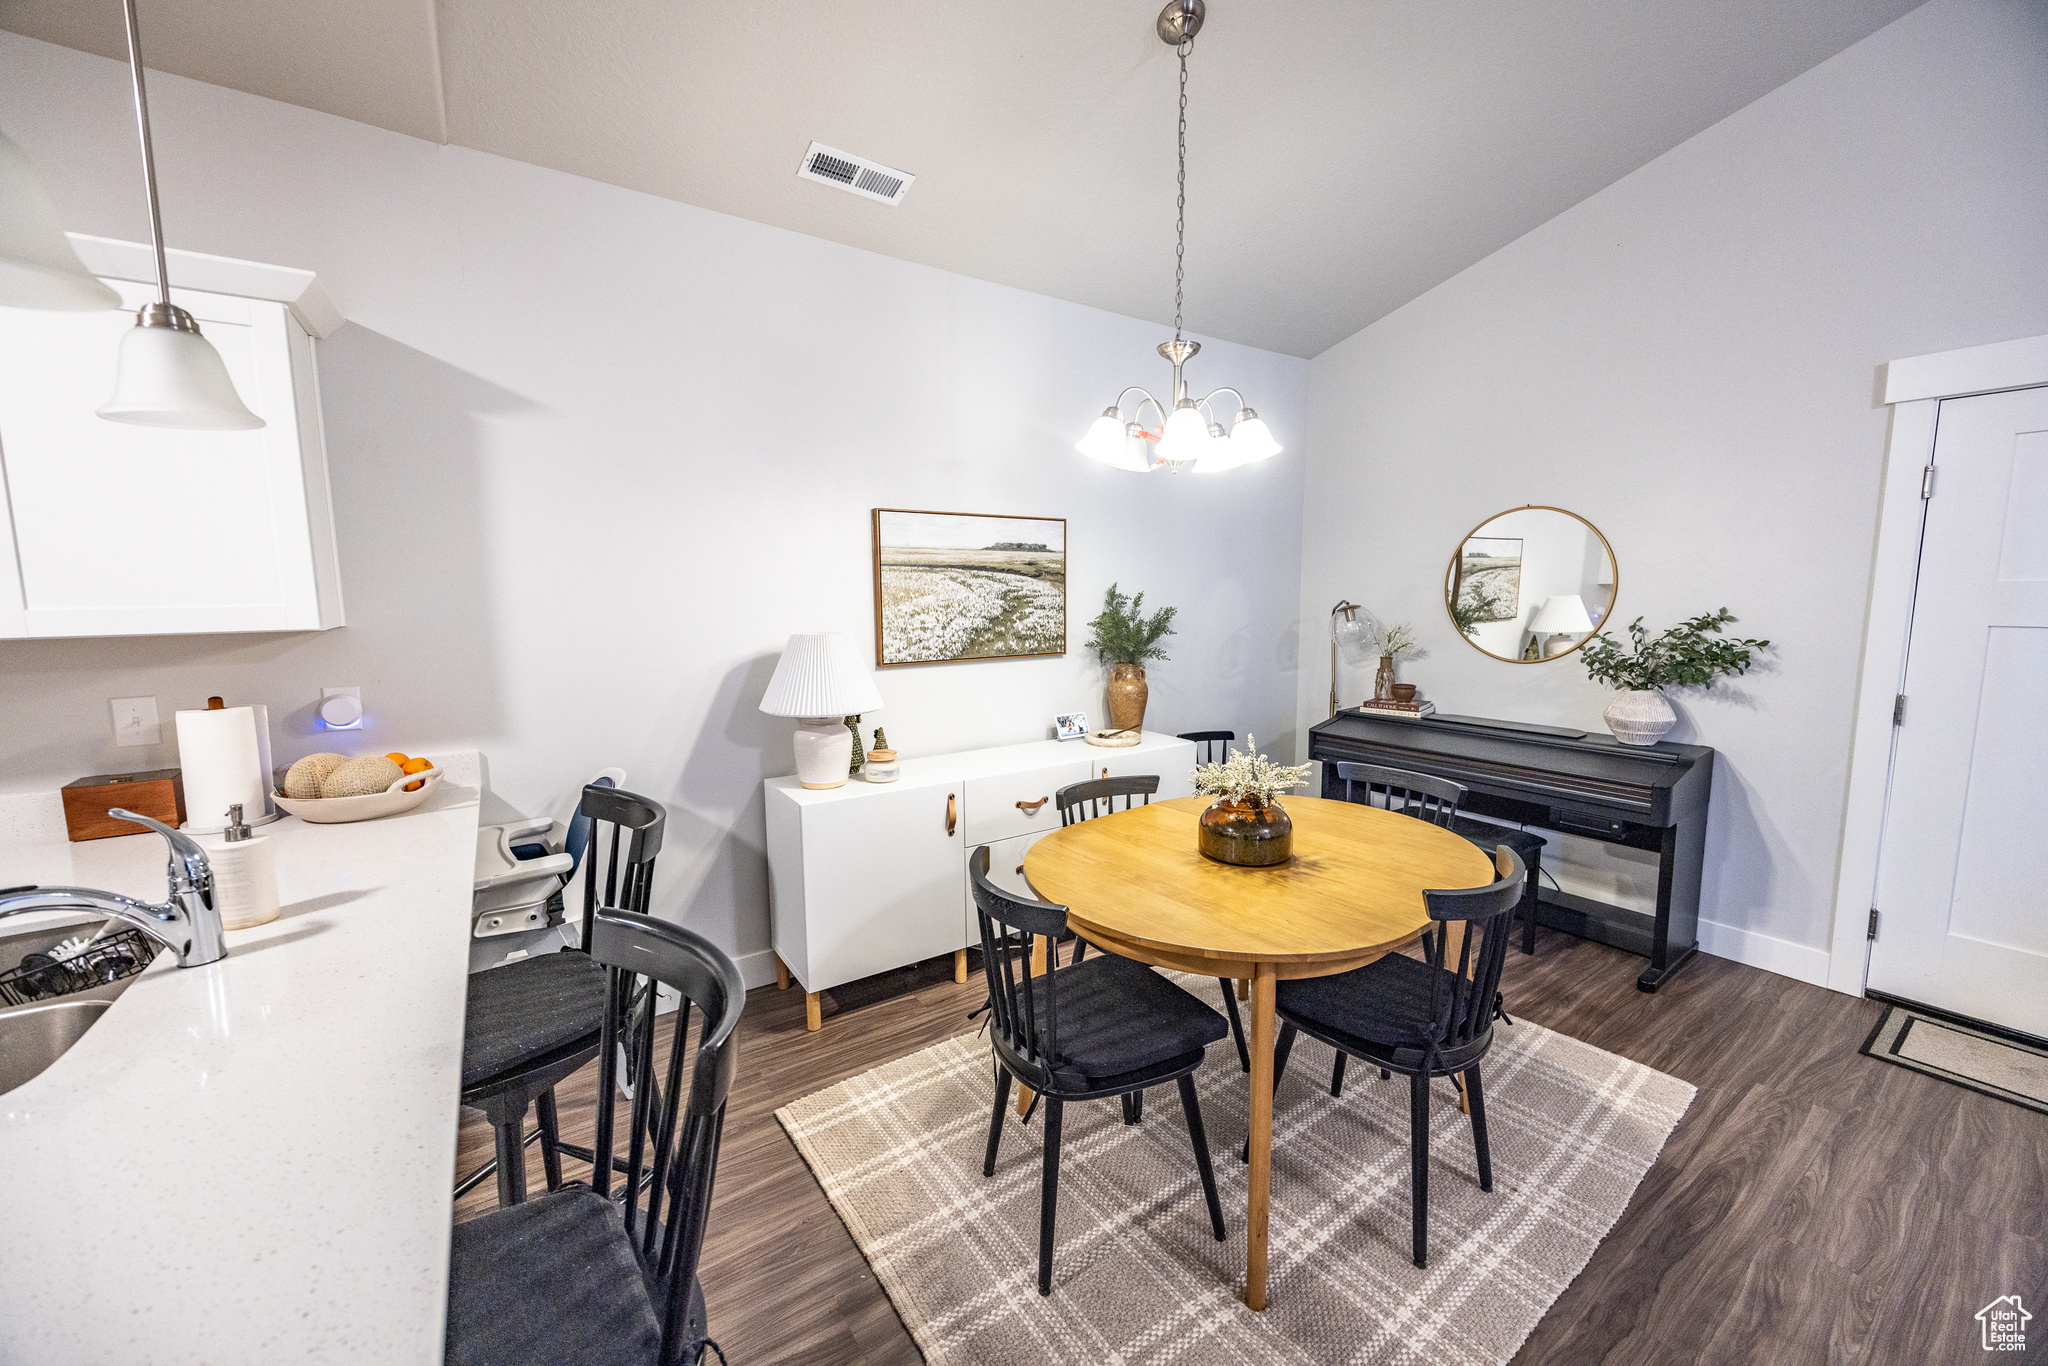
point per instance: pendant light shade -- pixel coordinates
(170, 376)
(1250, 436)
(1186, 436)
(1105, 439)
(38, 268)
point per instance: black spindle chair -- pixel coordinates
(1427, 798)
(1097, 797)
(531, 1023)
(1425, 1018)
(1106, 1027)
(592, 1273)
(1214, 744)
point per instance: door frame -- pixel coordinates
(1914, 389)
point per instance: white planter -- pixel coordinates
(1639, 716)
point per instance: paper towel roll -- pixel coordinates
(221, 756)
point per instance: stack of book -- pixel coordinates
(1411, 711)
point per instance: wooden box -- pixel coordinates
(158, 794)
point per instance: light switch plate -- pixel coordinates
(136, 721)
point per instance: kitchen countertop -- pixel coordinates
(250, 1161)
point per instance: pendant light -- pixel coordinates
(1188, 435)
(38, 268)
(169, 375)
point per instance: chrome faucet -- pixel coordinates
(187, 923)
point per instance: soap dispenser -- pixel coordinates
(244, 875)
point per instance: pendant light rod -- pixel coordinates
(156, 217)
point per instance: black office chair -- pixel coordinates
(1214, 745)
(531, 1023)
(1098, 796)
(587, 1273)
(1425, 1018)
(1106, 1027)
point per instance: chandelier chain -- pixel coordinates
(1180, 203)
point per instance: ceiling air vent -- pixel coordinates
(855, 175)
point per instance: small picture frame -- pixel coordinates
(1072, 725)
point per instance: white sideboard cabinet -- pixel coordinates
(873, 876)
(108, 529)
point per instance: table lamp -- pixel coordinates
(1564, 615)
(821, 681)
(1352, 630)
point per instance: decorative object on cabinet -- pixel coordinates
(1563, 615)
(406, 793)
(1188, 434)
(169, 375)
(1071, 725)
(1396, 641)
(1517, 564)
(955, 586)
(1246, 826)
(158, 794)
(1683, 656)
(820, 680)
(882, 766)
(38, 268)
(871, 877)
(859, 756)
(1403, 692)
(1565, 780)
(191, 531)
(1352, 630)
(1114, 739)
(1123, 637)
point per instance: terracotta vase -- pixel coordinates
(1127, 693)
(1246, 832)
(1383, 681)
(1639, 716)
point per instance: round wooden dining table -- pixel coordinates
(1135, 884)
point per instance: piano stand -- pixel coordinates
(1652, 798)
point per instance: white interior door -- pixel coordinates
(1963, 917)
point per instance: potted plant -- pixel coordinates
(1687, 655)
(1124, 638)
(1246, 825)
(1395, 642)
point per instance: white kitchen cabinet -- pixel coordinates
(119, 530)
(873, 876)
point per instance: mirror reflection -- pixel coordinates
(1531, 584)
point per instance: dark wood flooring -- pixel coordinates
(1814, 1206)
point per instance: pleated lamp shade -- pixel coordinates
(1564, 615)
(821, 675)
(38, 268)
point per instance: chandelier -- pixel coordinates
(1188, 435)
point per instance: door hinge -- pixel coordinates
(1899, 710)
(1927, 482)
(1871, 933)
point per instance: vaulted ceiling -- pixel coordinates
(1344, 155)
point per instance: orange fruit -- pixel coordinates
(397, 758)
(415, 766)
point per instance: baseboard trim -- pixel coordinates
(756, 969)
(1801, 962)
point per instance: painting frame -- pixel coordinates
(966, 552)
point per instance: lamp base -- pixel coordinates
(824, 752)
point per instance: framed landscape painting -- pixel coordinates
(1490, 576)
(968, 585)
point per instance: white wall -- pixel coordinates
(596, 455)
(1689, 360)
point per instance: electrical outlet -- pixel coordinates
(136, 721)
(341, 708)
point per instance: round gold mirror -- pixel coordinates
(1531, 584)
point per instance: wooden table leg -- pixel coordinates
(781, 974)
(959, 965)
(1244, 989)
(1039, 945)
(1259, 1192)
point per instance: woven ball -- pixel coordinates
(359, 777)
(303, 778)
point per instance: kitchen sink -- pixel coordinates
(35, 1035)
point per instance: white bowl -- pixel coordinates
(392, 801)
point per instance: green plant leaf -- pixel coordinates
(1122, 634)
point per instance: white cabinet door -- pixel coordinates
(112, 529)
(1962, 925)
(1009, 804)
(881, 876)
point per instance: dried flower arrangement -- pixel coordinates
(1398, 641)
(1248, 775)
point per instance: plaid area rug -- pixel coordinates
(1137, 1275)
